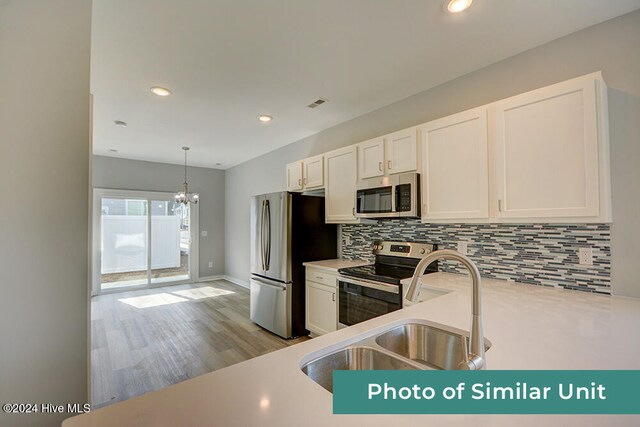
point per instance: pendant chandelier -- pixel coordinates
(184, 197)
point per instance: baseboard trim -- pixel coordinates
(237, 281)
(209, 278)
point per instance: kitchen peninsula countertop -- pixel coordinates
(530, 327)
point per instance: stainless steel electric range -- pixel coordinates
(375, 289)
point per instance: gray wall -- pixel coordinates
(110, 172)
(44, 176)
(612, 47)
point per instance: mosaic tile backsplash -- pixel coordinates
(538, 254)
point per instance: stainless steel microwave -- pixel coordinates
(393, 196)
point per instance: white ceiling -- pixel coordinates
(229, 61)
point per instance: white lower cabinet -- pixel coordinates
(321, 302)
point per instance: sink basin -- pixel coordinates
(428, 345)
(351, 358)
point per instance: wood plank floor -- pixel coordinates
(148, 339)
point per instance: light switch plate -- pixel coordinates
(462, 248)
(210, 264)
(204, 233)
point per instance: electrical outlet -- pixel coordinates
(585, 256)
(210, 264)
(462, 248)
(347, 240)
(204, 233)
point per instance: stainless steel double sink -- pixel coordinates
(406, 346)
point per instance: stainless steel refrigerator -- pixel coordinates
(287, 229)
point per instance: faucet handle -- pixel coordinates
(473, 363)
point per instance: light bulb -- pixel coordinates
(456, 6)
(160, 91)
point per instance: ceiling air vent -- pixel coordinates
(317, 103)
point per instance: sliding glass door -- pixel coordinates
(171, 241)
(141, 240)
(124, 242)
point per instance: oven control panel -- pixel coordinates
(403, 249)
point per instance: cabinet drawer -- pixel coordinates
(322, 277)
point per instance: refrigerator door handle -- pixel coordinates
(270, 283)
(268, 245)
(262, 217)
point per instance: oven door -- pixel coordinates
(360, 300)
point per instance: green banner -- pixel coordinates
(486, 392)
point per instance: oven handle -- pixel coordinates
(393, 289)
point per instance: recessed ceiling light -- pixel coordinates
(160, 91)
(120, 123)
(264, 118)
(456, 6)
(218, 164)
(113, 150)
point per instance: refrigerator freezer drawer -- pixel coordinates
(270, 306)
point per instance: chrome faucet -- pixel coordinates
(475, 351)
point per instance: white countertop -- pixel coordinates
(334, 264)
(530, 327)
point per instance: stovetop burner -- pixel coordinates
(395, 261)
(379, 273)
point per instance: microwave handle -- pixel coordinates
(394, 197)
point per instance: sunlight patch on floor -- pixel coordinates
(172, 297)
(204, 292)
(146, 301)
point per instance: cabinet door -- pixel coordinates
(321, 313)
(340, 189)
(313, 172)
(402, 151)
(294, 176)
(371, 158)
(455, 178)
(547, 152)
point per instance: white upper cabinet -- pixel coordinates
(307, 174)
(402, 151)
(455, 177)
(313, 172)
(547, 152)
(371, 161)
(294, 176)
(340, 190)
(394, 153)
(538, 157)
